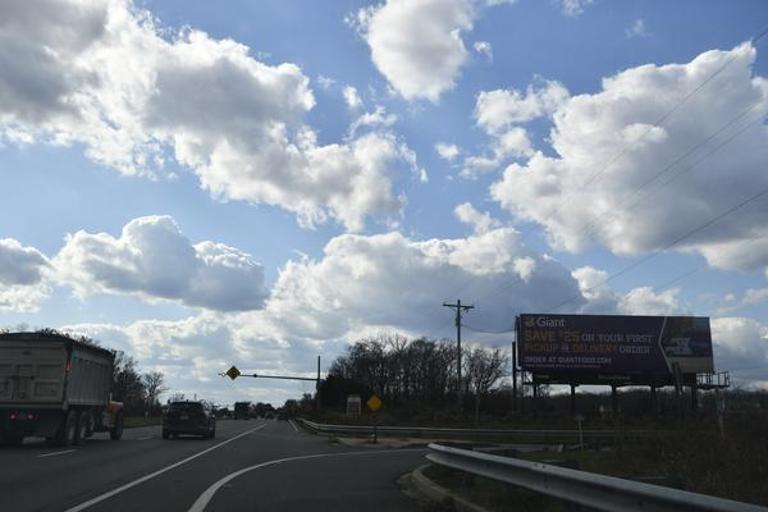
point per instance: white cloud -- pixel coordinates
(601, 299)
(20, 265)
(358, 282)
(573, 7)
(154, 260)
(24, 298)
(637, 29)
(497, 110)
(447, 151)
(512, 144)
(481, 222)
(23, 277)
(317, 306)
(377, 118)
(356, 287)
(417, 45)
(752, 296)
(484, 48)
(352, 98)
(644, 301)
(102, 76)
(325, 82)
(591, 129)
(741, 347)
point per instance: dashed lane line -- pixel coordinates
(55, 454)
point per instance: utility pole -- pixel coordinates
(459, 310)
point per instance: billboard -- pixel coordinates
(599, 348)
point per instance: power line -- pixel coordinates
(754, 40)
(659, 121)
(485, 331)
(591, 226)
(692, 166)
(655, 253)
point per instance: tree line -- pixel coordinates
(399, 369)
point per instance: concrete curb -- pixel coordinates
(438, 493)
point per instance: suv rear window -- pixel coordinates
(193, 407)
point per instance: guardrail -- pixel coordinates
(469, 433)
(592, 490)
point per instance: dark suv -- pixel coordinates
(196, 418)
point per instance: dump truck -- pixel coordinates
(55, 387)
(243, 411)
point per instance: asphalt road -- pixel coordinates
(251, 465)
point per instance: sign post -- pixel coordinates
(580, 421)
(374, 404)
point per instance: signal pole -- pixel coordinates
(459, 310)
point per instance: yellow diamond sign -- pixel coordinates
(374, 403)
(233, 373)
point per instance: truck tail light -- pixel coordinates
(68, 368)
(30, 416)
(13, 416)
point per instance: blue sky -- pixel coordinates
(313, 244)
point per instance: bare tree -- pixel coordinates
(154, 386)
(484, 368)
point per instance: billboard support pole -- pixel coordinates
(514, 376)
(694, 395)
(317, 386)
(654, 403)
(573, 399)
(614, 400)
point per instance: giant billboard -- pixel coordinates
(593, 348)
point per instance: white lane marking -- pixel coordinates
(293, 425)
(118, 490)
(54, 454)
(144, 438)
(203, 500)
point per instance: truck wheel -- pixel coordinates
(81, 428)
(66, 431)
(116, 432)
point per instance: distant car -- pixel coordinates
(269, 416)
(189, 417)
(282, 416)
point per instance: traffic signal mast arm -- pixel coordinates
(284, 377)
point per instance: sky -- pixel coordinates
(257, 183)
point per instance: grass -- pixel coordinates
(490, 494)
(141, 421)
(697, 458)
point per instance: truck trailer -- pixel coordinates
(55, 387)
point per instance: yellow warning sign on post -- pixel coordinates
(233, 373)
(374, 403)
